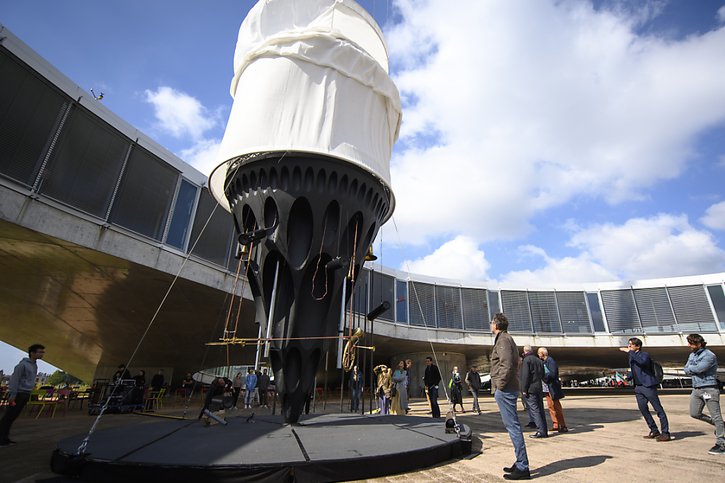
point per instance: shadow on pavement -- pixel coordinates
(582, 462)
(686, 434)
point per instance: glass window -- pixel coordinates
(180, 220)
(621, 311)
(718, 301)
(84, 167)
(213, 244)
(493, 305)
(544, 313)
(448, 307)
(692, 309)
(573, 313)
(382, 290)
(596, 311)
(421, 304)
(401, 301)
(475, 309)
(30, 114)
(516, 308)
(654, 310)
(359, 296)
(144, 195)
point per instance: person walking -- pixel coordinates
(473, 381)
(532, 375)
(456, 387)
(431, 379)
(237, 389)
(552, 390)
(702, 367)
(504, 380)
(645, 389)
(22, 382)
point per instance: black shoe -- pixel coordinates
(718, 449)
(652, 435)
(517, 474)
(538, 435)
(510, 469)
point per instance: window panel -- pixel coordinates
(475, 309)
(382, 290)
(596, 311)
(214, 243)
(516, 308)
(620, 310)
(30, 114)
(144, 195)
(448, 307)
(718, 301)
(84, 167)
(654, 310)
(422, 304)
(692, 309)
(401, 301)
(181, 219)
(573, 313)
(544, 314)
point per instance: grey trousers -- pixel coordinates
(698, 403)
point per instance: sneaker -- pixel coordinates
(652, 435)
(717, 449)
(517, 474)
(664, 437)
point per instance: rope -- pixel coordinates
(84, 443)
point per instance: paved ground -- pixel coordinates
(604, 444)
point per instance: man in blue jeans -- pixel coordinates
(702, 366)
(645, 389)
(504, 379)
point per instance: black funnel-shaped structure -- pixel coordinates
(305, 170)
(314, 209)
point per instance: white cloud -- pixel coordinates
(180, 114)
(715, 216)
(579, 269)
(458, 259)
(516, 107)
(721, 14)
(642, 248)
(202, 155)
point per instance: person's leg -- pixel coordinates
(640, 394)
(552, 411)
(654, 399)
(697, 404)
(507, 402)
(11, 414)
(559, 414)
(713, 406)
(433, 395)
(476, 407)
(536, 402)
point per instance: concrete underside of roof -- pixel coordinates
(91, 309)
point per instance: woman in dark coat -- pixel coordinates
(456, 386)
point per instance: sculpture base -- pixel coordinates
(329, 447)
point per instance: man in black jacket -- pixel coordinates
(431, 379)
(473, 380)
(532, 374)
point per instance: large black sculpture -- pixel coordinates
(305, 171)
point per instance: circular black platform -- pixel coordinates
(329, 447)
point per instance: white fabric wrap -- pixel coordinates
(308, 77)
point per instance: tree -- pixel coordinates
(61, 377)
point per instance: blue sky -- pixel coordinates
(542, 141)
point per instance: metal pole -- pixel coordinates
(272, 303)
(259, 344)
(341, 326)
(324, 402)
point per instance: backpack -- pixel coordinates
(658, 372)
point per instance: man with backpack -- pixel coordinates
(645, 389)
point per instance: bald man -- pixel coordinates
(552, 390)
